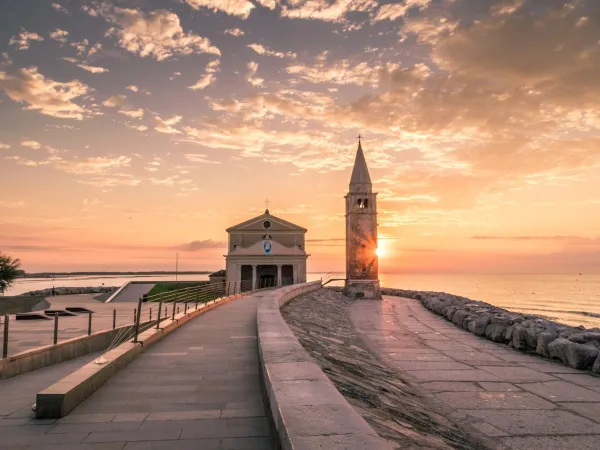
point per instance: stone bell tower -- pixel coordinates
(362, 271)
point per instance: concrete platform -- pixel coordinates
(27, 334)
(521, 400)
(198, 388)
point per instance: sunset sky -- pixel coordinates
(135, 129)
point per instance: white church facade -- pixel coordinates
(266, 251)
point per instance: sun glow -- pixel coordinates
(382, 249)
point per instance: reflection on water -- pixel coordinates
(572, 299)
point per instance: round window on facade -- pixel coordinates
(267, 224)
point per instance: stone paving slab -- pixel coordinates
(520, 400)
(197, 388)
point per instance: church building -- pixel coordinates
(362, 271)
(266, 251)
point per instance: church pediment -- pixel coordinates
(275, 249)
(266, 222)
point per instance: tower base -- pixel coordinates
(365, 289)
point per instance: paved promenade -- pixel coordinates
(197, 388)
(522, 401)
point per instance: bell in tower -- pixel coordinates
(362, 271)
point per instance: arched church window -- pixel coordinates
(360, 203)
(366, 203)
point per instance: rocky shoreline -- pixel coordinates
(577, 347)
(70, 290)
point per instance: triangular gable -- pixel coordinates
(261, 218)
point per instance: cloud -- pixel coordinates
(262, 50)
(133, 113)
(115, 101)
(111, 180)
(92, 69)
(132, 88)
(60, 8)
(4, 204)
(22, 40)
(157, 34)
(59, 35)
(250, 78)
(338, 72)
(92, 165)
(204, 81)
(240, 8)
(31, 144)
(507, 6)
(165, 125)
(201, 245)
(137, 127)
(234, 32)
(49, 97)
(577, 239)
(200, 158)
(395, 10)
(4, 146)
(326, 10)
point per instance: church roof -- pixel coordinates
(360, 172)
(266, 216)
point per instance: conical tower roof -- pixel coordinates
(360, 172)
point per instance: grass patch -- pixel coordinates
(161, 288)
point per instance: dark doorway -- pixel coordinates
(266, 276)
(287, 275)
(246, 273)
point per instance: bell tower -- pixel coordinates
(362, 271)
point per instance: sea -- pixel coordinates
(573, 299)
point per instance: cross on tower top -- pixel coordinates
(267, 203)
(359, 136)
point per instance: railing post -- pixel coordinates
(174, 305)
(150, 315)
(89, 323)
(134, 314)
(137, 320)
(158, 318)
(5, 342)
(185, 308)
(55, 328)
(114, 318)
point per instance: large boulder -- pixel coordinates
(543, 340)
(596, 365)
(496, 332)
(578, 356)
(519, 337)
(479, 325)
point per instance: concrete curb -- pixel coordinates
(62, 397)
(48, 355)
(307, 409)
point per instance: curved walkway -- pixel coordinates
(197, 388)
(523, 401)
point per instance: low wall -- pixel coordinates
(307, 409)
(53, 354)
(62, 397)
(575, 346)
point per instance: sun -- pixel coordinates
(382, 249)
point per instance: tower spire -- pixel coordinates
(360, 172)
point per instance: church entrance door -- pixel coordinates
(266, 276)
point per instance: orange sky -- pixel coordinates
(131, 133)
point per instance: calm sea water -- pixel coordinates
(572, 299)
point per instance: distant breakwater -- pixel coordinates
(70, 290)
(577, 347)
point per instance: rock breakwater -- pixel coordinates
(577, 347)
(66, 290)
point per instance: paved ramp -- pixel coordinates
(133, 292)
(198, 388)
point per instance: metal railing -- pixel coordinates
(152, 310)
